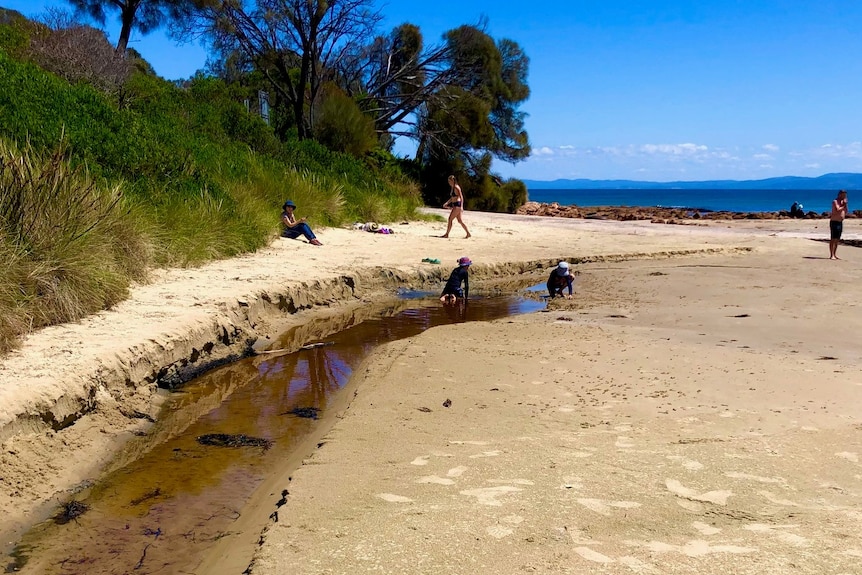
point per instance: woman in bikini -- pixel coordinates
(456, 202)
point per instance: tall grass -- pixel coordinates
(163, 176)
(68, 246)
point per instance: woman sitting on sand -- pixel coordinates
(293, 228)
(456, 202)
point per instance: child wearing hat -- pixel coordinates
(561, 277)
(452, 290)
(294, 228)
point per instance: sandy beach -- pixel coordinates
(696, 408)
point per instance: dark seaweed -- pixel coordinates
(238, 440)
(70, 511)
(307, 412)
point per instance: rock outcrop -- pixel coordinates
(656, 214)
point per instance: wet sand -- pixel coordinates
(682, 412)
(685, 415)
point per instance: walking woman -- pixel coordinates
(456, 203)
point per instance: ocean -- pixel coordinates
(704, 200)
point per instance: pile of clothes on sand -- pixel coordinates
(373, 227)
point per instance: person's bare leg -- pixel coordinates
(449, 226)
(833, 247)
(460, 221)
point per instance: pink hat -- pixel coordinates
(465, 261)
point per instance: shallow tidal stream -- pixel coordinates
(167, 498)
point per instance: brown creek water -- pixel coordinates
(167, 499)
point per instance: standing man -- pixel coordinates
(836, 222)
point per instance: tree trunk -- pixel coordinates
(127, 17)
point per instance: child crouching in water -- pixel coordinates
(452, 290)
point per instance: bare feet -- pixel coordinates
(315, 242)
(443, 236)
(468, 236)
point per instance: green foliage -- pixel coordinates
(14, 31)
(69, 246)
(475, 118)
(493, 195)
(200, 179)
(340, 125)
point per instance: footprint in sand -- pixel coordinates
(511, 481)
(772, 498)
(494, 453)
(777, 531)
(436, 480)
(689, 464)
(593, 556)
(606, 507)
(424, 459)
(716, 497)
(454, 472)
(705, 529)
(695, 548)
(737, 475)
(490, 495)
(392, 498)
(500, 531)
(634, 564)
(849, 456)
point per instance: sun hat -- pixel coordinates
(465, 261)
(563, 268)
(288, 204)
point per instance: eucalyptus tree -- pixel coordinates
(461, 95)
(297, 44)
(477, 112)
(394, 76)
(143, 15)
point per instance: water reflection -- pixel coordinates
(167, 498)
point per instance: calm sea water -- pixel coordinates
(713, 200)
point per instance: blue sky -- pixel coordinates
(654, 90)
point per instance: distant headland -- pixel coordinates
(845, 181)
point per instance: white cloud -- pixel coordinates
(687, 149)
(567, 147)
(770, 148)
(762, 156)
(851, 150)
(543, 151)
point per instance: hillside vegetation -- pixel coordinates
(99, 183)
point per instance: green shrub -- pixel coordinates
(69, 247)
(340, 125)
(201, 178)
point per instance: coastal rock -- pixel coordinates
(657, 215)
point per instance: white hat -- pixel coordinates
(563, 268)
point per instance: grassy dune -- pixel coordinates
(97, 188)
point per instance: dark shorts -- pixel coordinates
(455, 204)
(835, 229)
